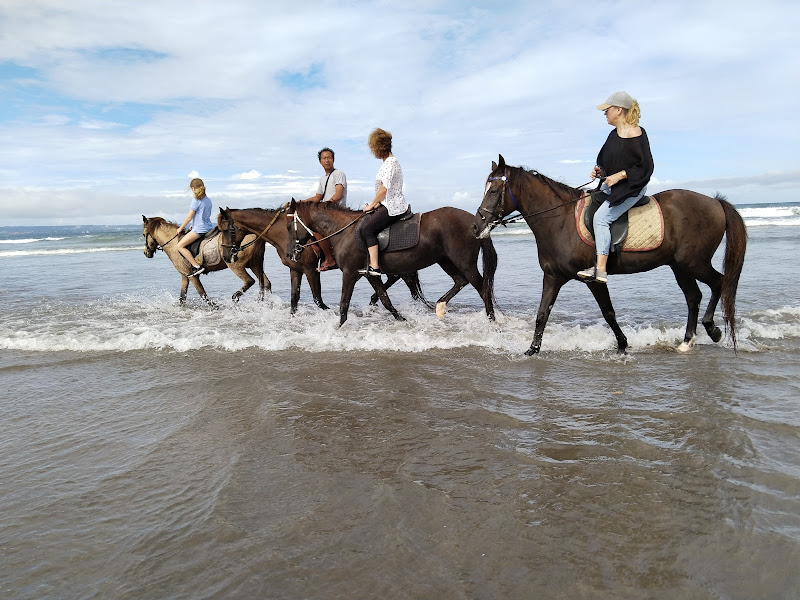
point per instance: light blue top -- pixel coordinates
(201, 223)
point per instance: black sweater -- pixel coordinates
(631, 155)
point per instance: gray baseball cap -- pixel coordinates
(621, 99)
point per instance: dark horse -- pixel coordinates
(693, 228)
(160, 234)
(445, 238)
(235, 224)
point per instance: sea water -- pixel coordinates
(157, 450)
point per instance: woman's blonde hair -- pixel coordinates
(632, 114)
(198, 188)
(380, 142)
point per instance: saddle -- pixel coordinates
(646, 231)
(400, 235)
(206, 253)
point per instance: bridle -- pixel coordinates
(497, 217)
(300, 246)
(156, 246)
(236, 248)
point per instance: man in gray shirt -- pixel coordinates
(332, 188)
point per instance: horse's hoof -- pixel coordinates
(441, 307)
(715, 334)
(686, 346)
(399, 317)
(531, 351)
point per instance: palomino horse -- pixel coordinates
(160, 234)
(445, 238)
(693, 228)
(236, 223)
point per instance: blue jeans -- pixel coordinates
(606, 215)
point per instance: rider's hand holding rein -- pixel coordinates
(379, 197)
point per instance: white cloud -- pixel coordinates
(103, 104)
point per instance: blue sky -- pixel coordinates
(107, 109)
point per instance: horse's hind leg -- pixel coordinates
(693, 295)
(713, 279)
(242, 274)
(459, 282)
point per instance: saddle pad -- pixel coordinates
(402, 235)
(209, 255)
(645, 226)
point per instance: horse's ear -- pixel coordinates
(293, 205)
(494, 166)
(144, 219)
(501, 162)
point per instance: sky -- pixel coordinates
(109, 108)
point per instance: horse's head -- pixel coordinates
(493, 207)
(232, 235)
(299, 233)
(150, 243)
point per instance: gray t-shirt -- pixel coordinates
(336, 177)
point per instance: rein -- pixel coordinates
(160, 246)
(520, 216)
(313, 241)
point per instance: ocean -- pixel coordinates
(152, 450)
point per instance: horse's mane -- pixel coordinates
(158, 221)
(554, 185)
(334, 207)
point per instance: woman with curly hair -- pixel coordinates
(389, 203)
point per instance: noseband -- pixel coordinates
(495, 217)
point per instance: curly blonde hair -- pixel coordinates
(632, 114)
(198, 188)
(380, 143)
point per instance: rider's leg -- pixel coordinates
(182, 248)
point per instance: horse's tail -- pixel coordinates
(257, 264)
(415, 287)
(489, 267)
(735, 247)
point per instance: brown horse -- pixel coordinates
(693, 228)
(445, 238)
(160, 234)
(263, 222)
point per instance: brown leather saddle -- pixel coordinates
(400, 235)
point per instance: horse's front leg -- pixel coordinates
(314, 282)
(600, 293)
(379, 288)
(201, 291)
(184, 288)
(295, 278)
(349, 279)
(551, 286)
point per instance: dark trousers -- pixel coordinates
(375, 223)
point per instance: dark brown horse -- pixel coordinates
(160, 234)
(445, 238)
(264, 222)
(235, 224)
(693, 228)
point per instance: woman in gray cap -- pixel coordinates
(627, 165)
